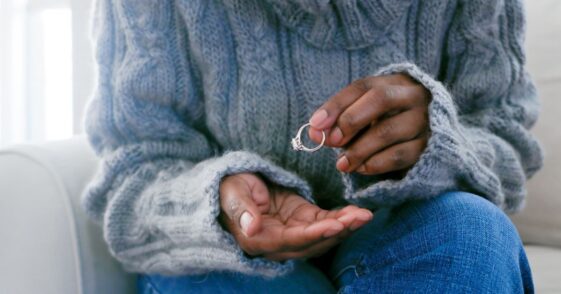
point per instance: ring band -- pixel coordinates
(297, 141)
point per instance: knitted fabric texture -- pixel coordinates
(191, 91)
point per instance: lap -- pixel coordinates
(457, 242)
(448, 243)
(304, 279)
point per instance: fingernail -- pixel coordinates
(342, 163)
(245, 221)
(336, 136)
(318, 118)
(331, 232)
(365, 216)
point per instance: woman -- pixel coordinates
(425, 106)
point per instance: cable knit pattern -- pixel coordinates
(340, 24)
(191, 91)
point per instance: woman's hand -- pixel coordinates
(381, 122)
(278, 224)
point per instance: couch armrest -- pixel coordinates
(48, 244)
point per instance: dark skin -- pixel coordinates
(280, 224)
(382, 125)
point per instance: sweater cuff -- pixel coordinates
(173, 228)
(448, 162)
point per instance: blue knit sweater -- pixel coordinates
(190, 91)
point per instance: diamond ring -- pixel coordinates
(297, 141)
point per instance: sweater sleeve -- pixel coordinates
(156, 191)
(480, 115)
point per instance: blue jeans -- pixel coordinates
(455, 243)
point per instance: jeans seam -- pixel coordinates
(203, 280)
(344, 269)
(152, 286)
(358, 268)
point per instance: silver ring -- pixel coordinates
(297, 141)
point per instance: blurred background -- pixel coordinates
(46, 72)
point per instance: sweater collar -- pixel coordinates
(349, 24)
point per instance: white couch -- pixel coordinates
(48, 245)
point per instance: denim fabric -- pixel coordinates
(303, 279)
(455, 243)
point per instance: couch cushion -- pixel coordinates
(55, 248)
(543, 39)
(540, 222)
(545, 262)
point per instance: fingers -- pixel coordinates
(300, 236)
(281, 238)
(372, 107)
(354, 217)
(402, 127)
(351, 216)
(396, 157)
(243, 214)
(312, 251)
(292, 224)
(390, 110)
(295, 236)
(326, 115)
(331, 224)
(387, 92)
(258, 190)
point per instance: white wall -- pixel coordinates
(26, 115)
(82, 60)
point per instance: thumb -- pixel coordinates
(237, 203)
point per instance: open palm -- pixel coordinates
(279, 224)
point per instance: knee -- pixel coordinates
(454, 237)
(467, 218)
